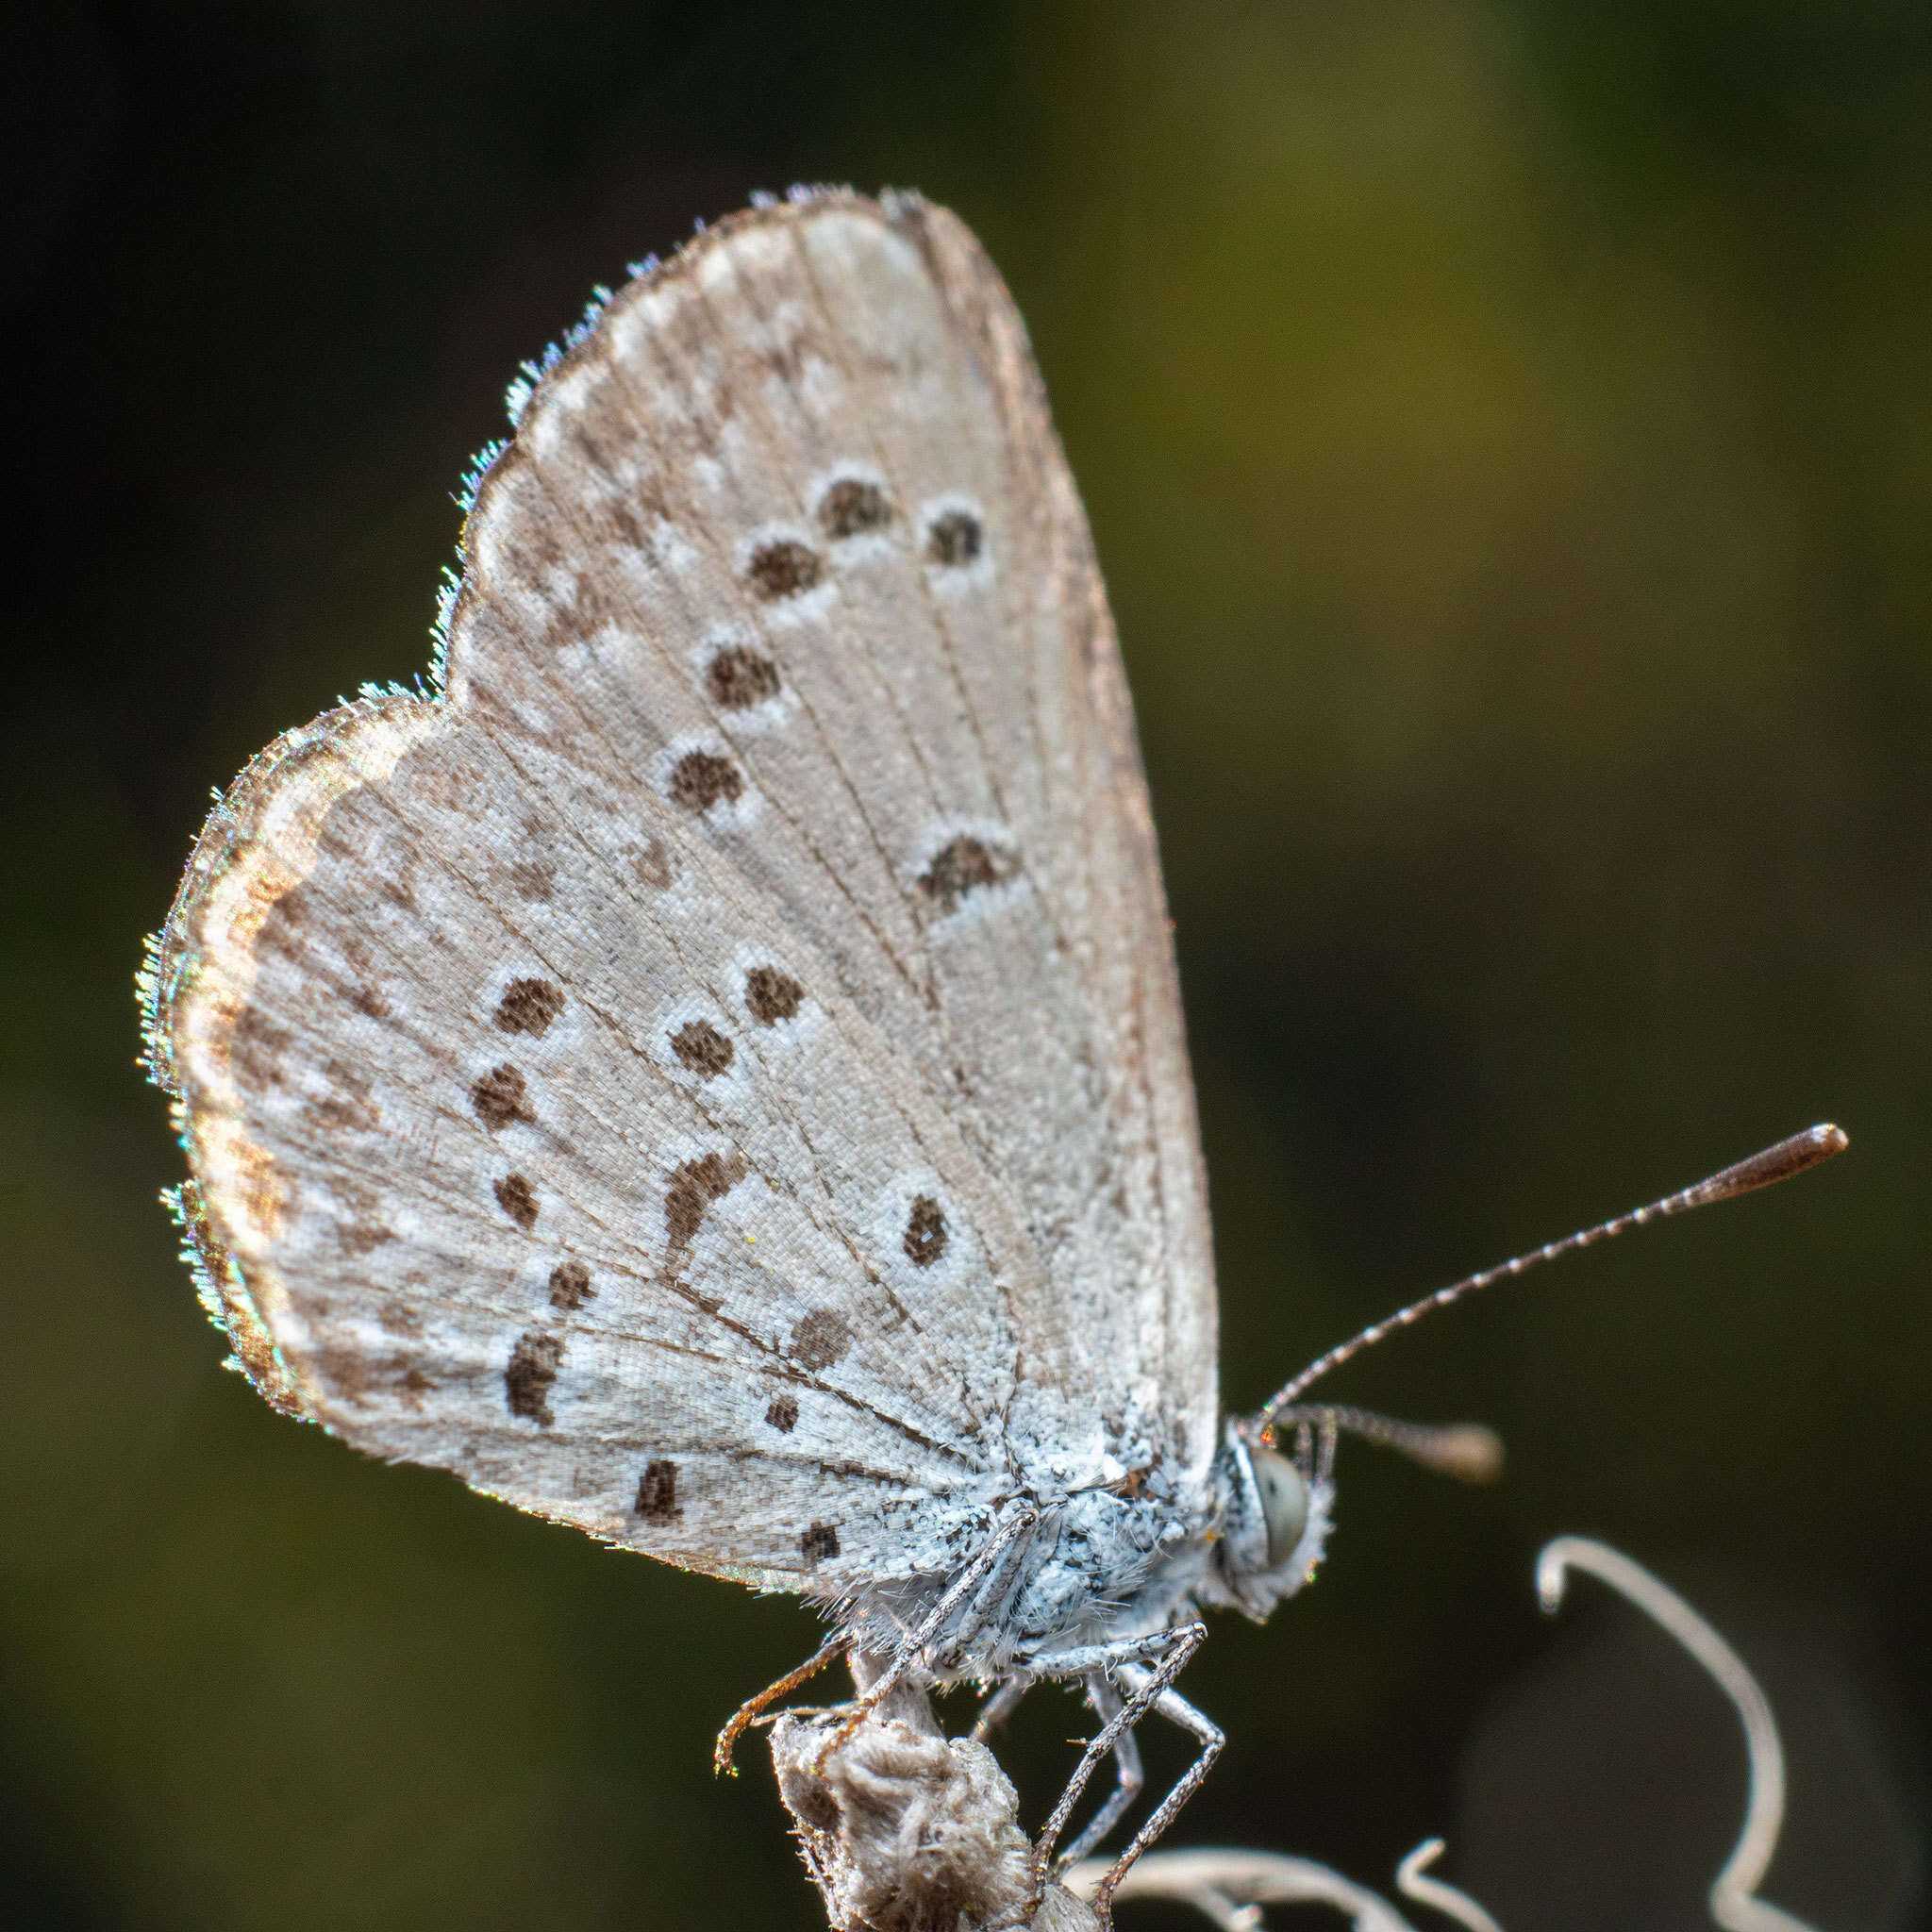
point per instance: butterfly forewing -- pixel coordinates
(716, 1076)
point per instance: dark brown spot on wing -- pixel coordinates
(500, 1097)
(531, 1373)
(349, 1374)
(534, 879)
(926, 1232)
(782, 1413)
(348, 1105)
(654, 867)
(738, 677)
(820, 1543)
(518, 1199)
(369, 1001)
(701, 1047)
(360, 1227)
(953, 539)
(701, 779)
(657, 1494)
(963, 865)
(589, 607)
(851, 507)
(694, 1187)
(820, 1338)
(570, 1285)
(362, 1236)
(283, 932)
(783, 568)
(771, 996)
(528, 1006)
(256, 1048)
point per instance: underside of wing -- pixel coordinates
(714, 1074)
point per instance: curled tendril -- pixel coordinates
(1434, 1893)
(1231, 1886)
(1734, 1903)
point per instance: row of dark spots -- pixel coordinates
(535, 1358)
(656, 1502)
(740, 676)
(533, 1370)
(499, 1099)
(503, 1095)
(770, 995)
(784, 567)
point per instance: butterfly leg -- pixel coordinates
(917, 1648)
(1168, 1651)
(1000, 1706)
(1152, 1686)
(748, 1714)
(1129, 1779)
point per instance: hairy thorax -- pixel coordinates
(1097, 1565)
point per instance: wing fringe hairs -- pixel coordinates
(904, 1830)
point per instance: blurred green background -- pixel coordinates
(1507, 430)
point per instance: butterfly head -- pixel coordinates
(1274, 1516)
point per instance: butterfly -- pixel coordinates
(711, 1070)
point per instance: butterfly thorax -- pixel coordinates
(1094, 1565)
(1098, 1565)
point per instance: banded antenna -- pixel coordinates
(1779, 1163)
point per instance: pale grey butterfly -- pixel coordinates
(711, 1069)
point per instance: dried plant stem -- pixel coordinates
(904, 1830)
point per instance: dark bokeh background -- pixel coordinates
(1508, 434)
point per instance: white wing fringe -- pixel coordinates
(904, 1830)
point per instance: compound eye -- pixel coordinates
(1284, 1502)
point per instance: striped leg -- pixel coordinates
(1167, 1651)
(1130, 1777)
(1153, 1686)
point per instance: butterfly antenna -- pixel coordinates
(1778, 1163)
(1467, 1451)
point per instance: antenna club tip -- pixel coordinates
(1467, 1451)
(1796, 1154)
